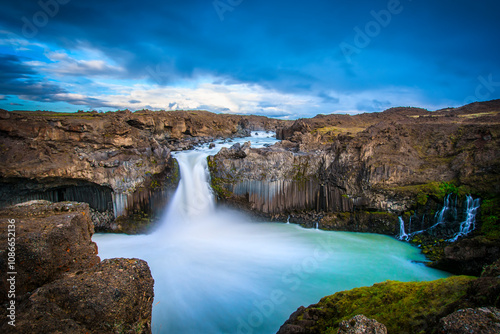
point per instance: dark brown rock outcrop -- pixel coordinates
(57, 282)
(113, 297)
(51, 240)
(469, 256)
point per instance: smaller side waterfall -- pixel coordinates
(448, 224)
(449, 208)
(402, 234)
(469, 224)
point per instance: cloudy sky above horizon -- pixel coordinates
(284, 59)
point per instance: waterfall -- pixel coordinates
(402, 234)
(440, 216)
(447, 217)
(288, 220)
(469, 223)
(193, 199)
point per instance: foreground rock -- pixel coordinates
(361, 325)
(60, 284)
(114, 297)
(50, 241)
(472, 321)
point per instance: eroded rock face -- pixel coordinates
(485, 320)
(392, 162)
(361, 325)
(51, 240)
(127, 154)
(60, 284)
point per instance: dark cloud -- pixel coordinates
(438, 48)
(328, 99)
(16, 78)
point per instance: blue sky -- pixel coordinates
(283, 59)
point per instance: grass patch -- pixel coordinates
(437, 190)
(337, 130)
(490, 218)
(403, 307)
(489, 113)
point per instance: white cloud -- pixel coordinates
(65, 65)
(217, 95)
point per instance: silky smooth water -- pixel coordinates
(216, 271)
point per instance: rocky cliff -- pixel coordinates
(52, 280)
(119, 162)
(401, 161)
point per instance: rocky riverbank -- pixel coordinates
(57, 283)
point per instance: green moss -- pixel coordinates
(299, 171)
(422, 199)
(403, 307)
(437, 190)
(218, 183)
(490, 217)
(154, 185)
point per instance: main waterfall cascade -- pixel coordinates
(216, 271)
(447, 216)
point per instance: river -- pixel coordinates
(216, 271)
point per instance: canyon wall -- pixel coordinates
(361, 172)
(118, 162)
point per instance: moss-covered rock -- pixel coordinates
(413, 307)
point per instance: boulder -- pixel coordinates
(469, 256)
(485, 320)
(51, 239)
(113, 297)
(58, 284)
(360, 324)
